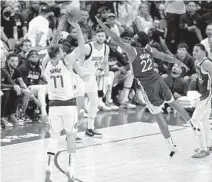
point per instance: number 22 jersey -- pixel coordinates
(60, 81)
(143, 66)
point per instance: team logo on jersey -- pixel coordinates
(97, 58)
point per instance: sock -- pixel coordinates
(91, 123)
(170, 143)
(50, 158)
(72, 158)
(125, 94)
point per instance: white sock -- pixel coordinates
(91, 123)
(170, 143)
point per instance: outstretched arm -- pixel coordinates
(125, 47)
(168, 58)
(55, 40)
(80, 50)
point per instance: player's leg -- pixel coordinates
(70, 118)
(154, 104)
(162, 123)
(56, 126)
(183, 113)
(92, 112)
(202, 112)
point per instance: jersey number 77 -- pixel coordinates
(57, 79)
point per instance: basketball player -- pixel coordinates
(202, 112)
(62, 105)
(154, 89)
(96, 57)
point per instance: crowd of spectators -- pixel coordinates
(27, 28)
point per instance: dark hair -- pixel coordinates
(11, 55)
(100, 30)
(202, 47)
(23, 41)
(31, 53)
(183, 45)
(53, 51)
(143, 38)
(126, 34)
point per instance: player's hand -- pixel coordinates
(17, 89)
(184, 66)
(74, 24)
(85, 77)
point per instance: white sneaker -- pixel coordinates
(6, 123)
(114, 107)
(103, 107)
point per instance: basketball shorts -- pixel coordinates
(156, 94)
(79, 86)
(62, 117)
(91, 85)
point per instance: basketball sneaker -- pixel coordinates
(201, 153)
(6, 123)
(173, 149)
(92, 133)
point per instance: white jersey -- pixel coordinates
(94, 60)
(60, 81)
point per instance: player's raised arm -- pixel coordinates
(78, 51)
(55, 40)
(168, 58)
(125, 47)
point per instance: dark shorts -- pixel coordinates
(156, 94)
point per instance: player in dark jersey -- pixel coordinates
(155, 91)
(202, 112)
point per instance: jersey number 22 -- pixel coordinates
(147, 65)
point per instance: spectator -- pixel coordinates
(190, 24)
(143, 21)
(206, 41)
(8, 28)
(100, 9)
(25, 47)
(31, 12)
(174, 9)
(187, 59)
(6, 85)
(114, 24)
(176, 83)
(31, 74)
(19, 23)
(39, 28)
(84, 23)
(14, 95)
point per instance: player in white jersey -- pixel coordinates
(202, 112)
(62, 105)
(96, 61)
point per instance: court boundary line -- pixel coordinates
(115, 141)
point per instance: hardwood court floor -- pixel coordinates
(129, 151)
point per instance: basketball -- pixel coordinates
(73, 13)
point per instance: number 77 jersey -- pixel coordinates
(143, 66)
(60, 81)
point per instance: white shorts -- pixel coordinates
(78, 82)
(91, 85)
(62, 117)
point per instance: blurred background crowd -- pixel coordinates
(27, 28)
